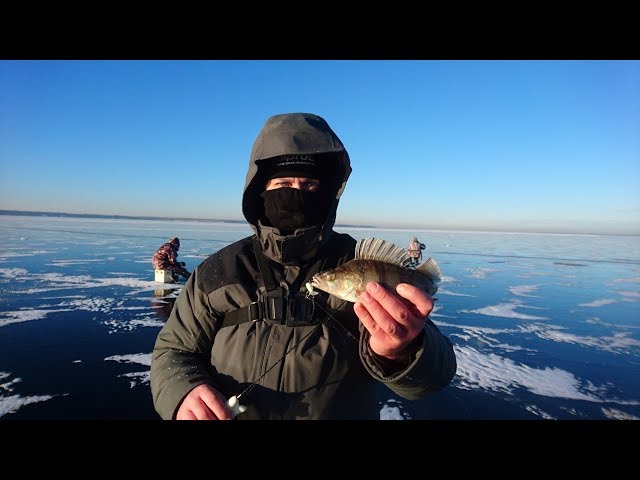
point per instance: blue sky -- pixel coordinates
(531, 145)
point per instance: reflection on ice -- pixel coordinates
(493, 372)
(520, 313)
(506, 310)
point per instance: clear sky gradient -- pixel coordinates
(546, 146)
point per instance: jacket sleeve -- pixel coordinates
(180, 359)
(431, 368)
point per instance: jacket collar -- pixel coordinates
(295, 249)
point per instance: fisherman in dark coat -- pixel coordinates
(242, 328)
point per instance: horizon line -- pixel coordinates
(244, 221)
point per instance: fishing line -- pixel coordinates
(335, 322)
(250, 387)
(330, 317)
(322, 322)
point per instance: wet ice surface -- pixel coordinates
(543, 326)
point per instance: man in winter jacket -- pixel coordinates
(414, 249)
(242, 325)
(166, 258)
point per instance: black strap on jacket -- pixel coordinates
(274, 304)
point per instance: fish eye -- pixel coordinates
(331, 277)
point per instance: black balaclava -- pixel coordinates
(288, 209)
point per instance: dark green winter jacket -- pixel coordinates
(330, 371)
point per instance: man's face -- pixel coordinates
(301, 183)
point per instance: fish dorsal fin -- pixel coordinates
(430, 268)
(382, 251)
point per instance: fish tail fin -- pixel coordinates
(430, 267)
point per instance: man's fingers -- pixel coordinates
(365, 317)
(389, 311)
(204, 403)
(215, 402)
(186, 415)
(416, 296)
(203, 412)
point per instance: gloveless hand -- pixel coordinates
(393, 322)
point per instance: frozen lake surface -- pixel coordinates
(544, 326)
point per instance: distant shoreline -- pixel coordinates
(30, 213)
(140, 217)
